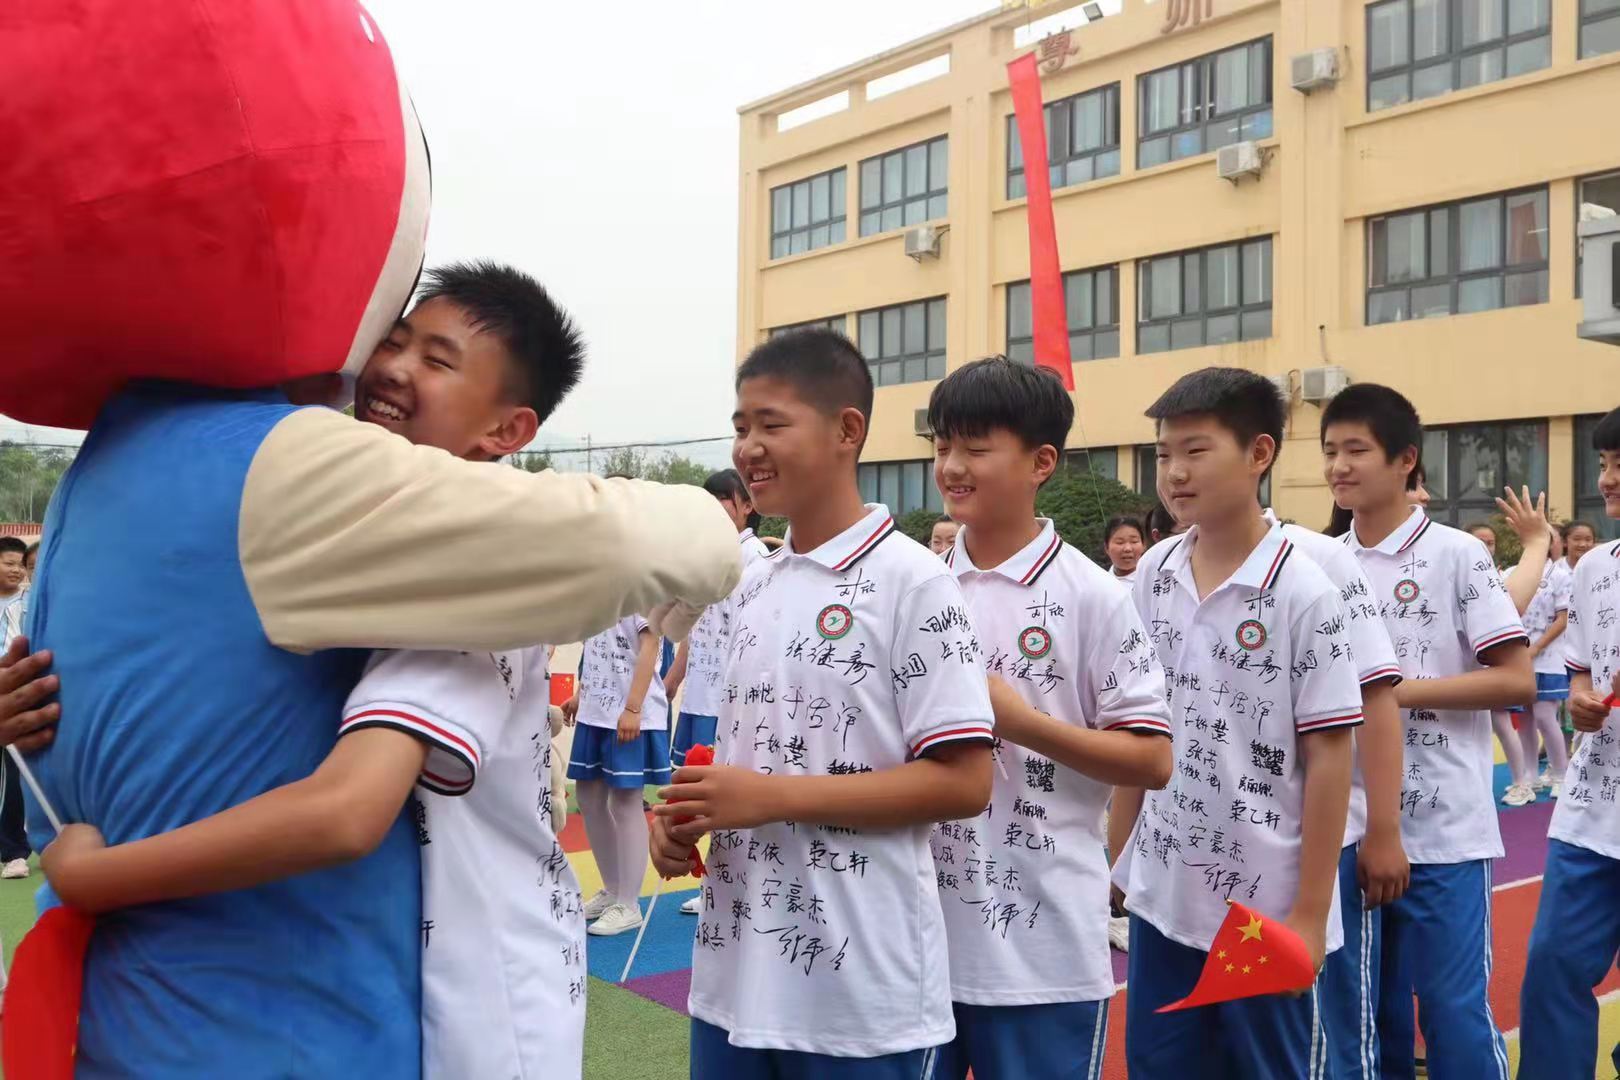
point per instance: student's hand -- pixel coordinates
(1382, 867)
(1313, 930)
(24, 722)
(721, 797)
(1587, 712)
(66, 854)
(570, 709)
(671, 847)
(1008, 709)
(670, 689)
(629, 726)
(1527, 520)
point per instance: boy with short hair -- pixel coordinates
(1264, 692)
(855, 716)
(482, 359)
(1577, 929)
(1463, 652)
(13, 586)
(1080, 706)
(943, 534)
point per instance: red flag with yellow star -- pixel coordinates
(1251, 955)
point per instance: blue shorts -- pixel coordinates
(599, 755)
(714, 1058)
(1061, 1041)
(691, 729)
(1550, 686)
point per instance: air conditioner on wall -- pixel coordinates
(1314, 70)
(919, 423)
(1317, 385)
(1237, 161)
(922, 240)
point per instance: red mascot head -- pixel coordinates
(225, 192)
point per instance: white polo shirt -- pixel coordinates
(503, 926)
(608, 667)
(1262, 660)
(1588, 812)
(857, 656)
(1025, 884)
(710, 640)
(1369, 641)
(1552, 596)
(1443, 603)
(1126, 580)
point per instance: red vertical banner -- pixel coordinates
(1045, 277)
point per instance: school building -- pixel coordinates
(1319, 190)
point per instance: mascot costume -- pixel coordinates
(200, 201)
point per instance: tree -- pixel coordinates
(1080, 504)
(668, 468)
(919, 525)
(28, 477)
(533, 460)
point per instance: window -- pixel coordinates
(1600, 27)
(1103, 462)
(1588, 503)
(1418, 49)
(905, 343)
(1600, 193)
(1207, 297)
(1466, 467)
(1204, 104)
(1147, 471)
(836, 323)
(1458, 258)
(902, 486)
(1091, 300)
(1082, 141)
(808, 214)
(906, 187)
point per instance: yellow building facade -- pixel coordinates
(1412, 222)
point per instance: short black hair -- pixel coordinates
(14, 543)
(1476, 525)
(997, 394)
(944, 519)
(1571, 526)
(1123, 521)
(1417, 476)
(1390, 417)
(822, 365)
(1606, 435)
(1339, 521)
(729, 484)
(543, 343)
(1160, 520)
(1243, 402)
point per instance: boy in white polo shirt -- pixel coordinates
(1577, 931)
(1263, 690)
(1079, 707)
(856, 716)
(1463, 652)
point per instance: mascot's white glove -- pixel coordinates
(674, 620)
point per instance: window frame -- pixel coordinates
(1081, 459)
(926, 198)
(1454, 55)
(1455, 276)
(1144, 294)
(1058, 165)
(837, 323)
(1014, 345)
(1445, 506)
(870, 477)
(1202, 106)
(1590, 18)
(836, 223)
(1146, 480)
(879, 364)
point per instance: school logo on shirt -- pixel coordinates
(834, 621)
(1406, 590)
(1251, 634)
(1034, 642)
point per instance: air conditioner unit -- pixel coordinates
(919, 423)
(1314, 70)
(1237, 161)
(1318, 384)
(1600, 280)
(922, 240)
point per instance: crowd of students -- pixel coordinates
(945, 780)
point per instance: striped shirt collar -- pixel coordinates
(1024, 568)
(1402, 537)
(745, 536)
(1259, 571)
(850, 546)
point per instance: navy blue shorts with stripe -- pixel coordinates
(599, 755)
(714, 1057)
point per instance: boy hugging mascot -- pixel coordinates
(205, 204)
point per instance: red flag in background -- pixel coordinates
(1045, 276)
(40, 1029)
(1250, 956)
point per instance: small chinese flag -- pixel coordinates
(39, 1032)
(1251, 955)
(698, 755)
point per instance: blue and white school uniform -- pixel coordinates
(1444, 605)
(607, 668)
(1577, 929)
(706, 649)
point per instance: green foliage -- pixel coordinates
(772, 526)
(533, 461)
(667, 468)
(919, 525)
(28, 476)
(1080, 504)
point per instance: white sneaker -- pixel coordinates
(1556, 790)
(597, 905)
(1119, 933)
(616, 920)
(16, 868)
(1544, 781)
(1519, 795)
(693, 906)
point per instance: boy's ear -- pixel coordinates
(1046, 462)
(1263, 452)
(512, 434)
(852, 429)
